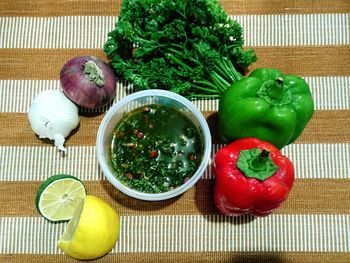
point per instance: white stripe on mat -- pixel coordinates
(91, 31)
(29, 163)
(192, 233)
(295, 29)
(17, 95)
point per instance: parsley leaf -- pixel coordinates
(177, 45)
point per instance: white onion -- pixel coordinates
(52, 115)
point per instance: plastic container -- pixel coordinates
(138, 99)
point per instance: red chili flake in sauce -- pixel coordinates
(154, 154)
(129, 175)
(191, 157)
(138, 134)
(132, 145)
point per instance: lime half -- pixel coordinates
(58, 197)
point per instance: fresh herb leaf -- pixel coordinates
(175, 45)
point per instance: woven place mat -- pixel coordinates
(308, 38)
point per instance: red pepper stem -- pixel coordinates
(259, 162)
(256, 163)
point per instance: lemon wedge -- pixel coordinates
(93, 230)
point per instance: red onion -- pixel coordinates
(88, 81)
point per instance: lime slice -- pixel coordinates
(59, 196)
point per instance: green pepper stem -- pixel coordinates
(93, 73)
(276, 90)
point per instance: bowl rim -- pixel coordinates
(105, 168)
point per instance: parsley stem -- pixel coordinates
(220, 82)
(205, 96)
(211, 91)
(178, 61)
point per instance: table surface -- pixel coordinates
(310, 38)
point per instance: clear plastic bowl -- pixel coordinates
(138, 99)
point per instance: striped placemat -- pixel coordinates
(308, 38)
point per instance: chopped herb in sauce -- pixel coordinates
(155, 149)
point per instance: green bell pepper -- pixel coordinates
(266, 105)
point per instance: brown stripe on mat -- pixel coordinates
(111, 8)
(304, 61)
(285, 7)
(308, 196)
(59, 8)
(232, 257)
(326, 126)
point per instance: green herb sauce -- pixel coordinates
(155, 149)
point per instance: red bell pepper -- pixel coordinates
(251, 177)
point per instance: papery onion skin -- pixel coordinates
(52, 115)
(83, 91)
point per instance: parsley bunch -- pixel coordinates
(176, 45)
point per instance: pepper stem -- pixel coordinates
(255, 163)
(276, 90)
(93, 73)
(258, 163)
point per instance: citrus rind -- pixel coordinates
(58, 197)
